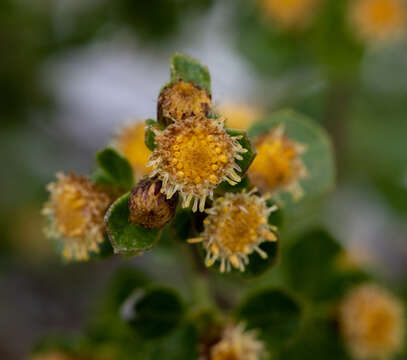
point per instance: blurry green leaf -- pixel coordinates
(125, 236)
(244, 164)
(275, 313)
(310, 265)
(317, 340)
(113, 169)
(188, 69)
(318, 158)
(182, 344)
(149, 135)
(153, 313)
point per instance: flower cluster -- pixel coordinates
(278, 165)
(371, 322)
(237, 344)
(194, 156)
(378, 20)
(76, 210)
(235, 227)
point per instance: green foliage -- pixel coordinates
(190, 70)
(318, 158)
(113, 169)
(317, 254)
(275, 313)
(149, 135)
(153, 313)
(128, 238)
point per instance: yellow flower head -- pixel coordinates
(77, 208)
(290, 13)
(235, 227)
(239, 116)
(278, 165)
(193, 157)
(371, 322)
(378, 20)
(130, 143)
(182, 100)
(237, 344)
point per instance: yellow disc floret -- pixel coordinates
(239, 116)
(237, 344)
(290, 13)
(235, 227)
(378, 20)
(372, 323)
(76, 209)
(193, 157)
(130, 142)
(278, 165)
(182, 100)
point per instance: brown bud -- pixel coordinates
(149, 207)
(182, 100)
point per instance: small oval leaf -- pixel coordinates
(125, 236)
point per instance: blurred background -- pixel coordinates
(71, 72)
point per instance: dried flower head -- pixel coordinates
(130, 143)
(278, 165)
(371, 322)
(235, 227)
(378, 20)
(149, 207)
(76, 209)
(290, 13)
(193, 157)
(239, 116)
(237, 344)
(182, 100)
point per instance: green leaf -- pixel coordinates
(125, 236)
(153, 313)
(310, 267)
(318, 158)
(317, 340)
(182, 344)
(275, 313)
(244, 164)
(149, 135)
(113, 169)
(188, 69)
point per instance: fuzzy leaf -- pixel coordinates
(318, 158)
(153, 313)
(113, 169)
(125, 236)
(188, 69)
(275, 313)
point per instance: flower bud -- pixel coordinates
(149, 207)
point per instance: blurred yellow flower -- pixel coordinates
(290, 13)
(193, 157)
(182, 100)
(278, 165)
(237, 344)
(378, 20)
(238, 116)
(372, 323)
(130, 143)
(76, 210)
(235, 227)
